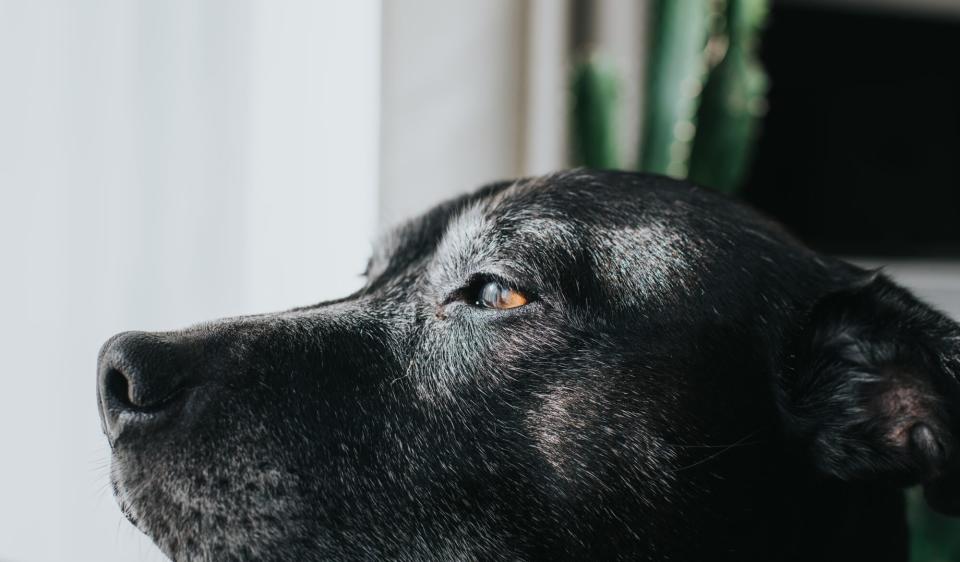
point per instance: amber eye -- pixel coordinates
(496, 295)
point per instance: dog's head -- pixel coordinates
(580, 364)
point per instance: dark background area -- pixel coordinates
(860, 149)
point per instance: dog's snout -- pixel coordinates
(140, 381)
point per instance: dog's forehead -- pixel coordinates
(620, 240)
(634, 239)
(523, 218)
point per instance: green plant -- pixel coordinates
(933, 537)
(704, 95)
(677, 66)
(594, 93)
(733, 99)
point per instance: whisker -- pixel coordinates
(742, 442)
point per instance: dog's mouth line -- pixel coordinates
(163, 403)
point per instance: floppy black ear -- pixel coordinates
(873, 393)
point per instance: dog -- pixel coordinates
(585, 365)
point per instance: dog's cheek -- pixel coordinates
(596, 434)
(605, 463)
(479, 353)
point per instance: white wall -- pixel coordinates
(453, 93)
(936, 282)
(161, 163)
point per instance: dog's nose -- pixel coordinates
(141, 379)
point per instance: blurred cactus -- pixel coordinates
(675, 73)
(704, 94)
(705, 90)
(733, 100)
(594, 95)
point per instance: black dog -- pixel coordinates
(579, 366)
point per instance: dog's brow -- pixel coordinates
(409, 240)
(414, 239)
(494, 229)
(465, 236)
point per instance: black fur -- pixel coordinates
(687, 382)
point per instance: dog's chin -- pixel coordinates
(209, 514)
(157, 521)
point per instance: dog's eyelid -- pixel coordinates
(455, 296)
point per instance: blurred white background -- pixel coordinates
(163, 163)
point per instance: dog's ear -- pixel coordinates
(872, 391)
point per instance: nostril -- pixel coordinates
(140, 397)
(118, 387)
(142, 382)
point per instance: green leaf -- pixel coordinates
(594, 95)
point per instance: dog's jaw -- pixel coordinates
(243, 506)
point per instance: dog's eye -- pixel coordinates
(494, 294)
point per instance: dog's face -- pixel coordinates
(585, 364)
